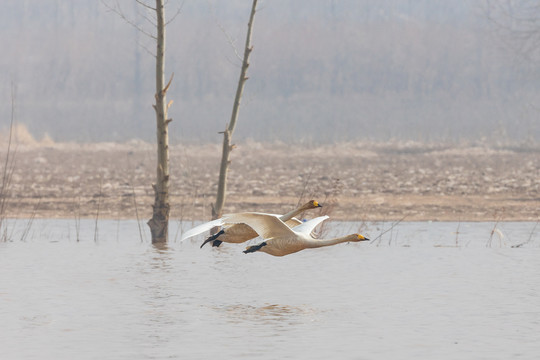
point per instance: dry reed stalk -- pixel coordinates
(117, 229)
(137, 212)
(329, 202)
(180, 221)
(78, 219)
(96, 232)
(28, 225)
(132, 183)
(392, 236)
(457, 232)
(394, 224)
(181, 218)
(530, 236)
(7, 176)
(304, 188)
(493, 231)
(9, 167)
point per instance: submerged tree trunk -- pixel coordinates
(159, 224)
(217, 208)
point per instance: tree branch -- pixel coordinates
(178, 11)
(118, 11)
(230, 40)
(164, 91)
(145, 5)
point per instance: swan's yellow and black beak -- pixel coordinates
(316, 203)
(362, 238)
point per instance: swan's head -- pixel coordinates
(312, 204)
(360, 237)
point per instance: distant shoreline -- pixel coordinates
(449, 209)
(355, 182)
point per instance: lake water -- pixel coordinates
(421, 290)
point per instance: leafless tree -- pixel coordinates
(217, 208)
(159, 223)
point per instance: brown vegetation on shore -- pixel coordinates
(361, 181)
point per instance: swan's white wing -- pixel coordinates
(265, 225)
(308, 226)
(225, 222)
(201, 228)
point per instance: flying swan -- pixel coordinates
(279, 239)
(239, 233)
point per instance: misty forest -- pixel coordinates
(321, 71)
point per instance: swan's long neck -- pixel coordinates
(315, 243)
(288, 216)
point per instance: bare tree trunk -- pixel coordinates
(217, 209)
(159, 224)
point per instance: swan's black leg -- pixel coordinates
(213, 237)
(254, 248)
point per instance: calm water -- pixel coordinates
(410, 294)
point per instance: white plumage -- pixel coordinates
(239, 233)
(279, 239)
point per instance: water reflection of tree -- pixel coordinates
(163, 255)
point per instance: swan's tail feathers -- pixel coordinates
(213, 237)
(254, 248)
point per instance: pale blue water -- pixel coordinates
(419, 291)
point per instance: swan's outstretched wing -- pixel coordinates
(201, 228)
(265, 225)
(308, 226)
(223, 222)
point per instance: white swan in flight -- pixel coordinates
(279, 239)
(239, 233)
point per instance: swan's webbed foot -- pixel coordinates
(216, 243)
(254, 248)
(213, 237)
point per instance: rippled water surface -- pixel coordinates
(421, 290)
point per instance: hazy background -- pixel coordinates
(321, 70)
